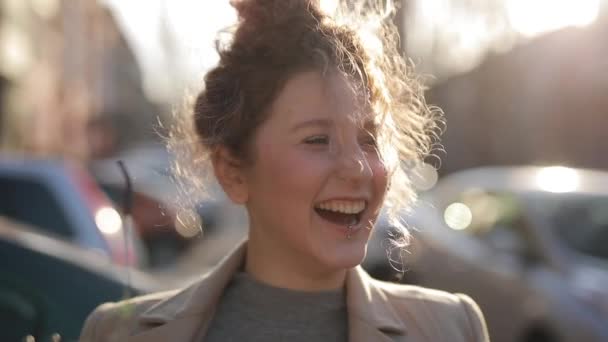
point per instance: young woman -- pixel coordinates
(308, 123)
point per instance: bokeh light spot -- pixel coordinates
(424, 177)
(108, 220)
(557, 179)
(458, 216)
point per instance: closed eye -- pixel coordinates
(369, 141)
(317, 140)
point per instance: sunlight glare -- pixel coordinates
(531, 18)
(328, 6)
(557, 179)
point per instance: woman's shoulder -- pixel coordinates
(436, 308)
(119, 318)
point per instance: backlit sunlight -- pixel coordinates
(328, 6)
(531, 18)
(557, 179)
(176, 36)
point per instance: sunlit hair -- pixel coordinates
(273, 40)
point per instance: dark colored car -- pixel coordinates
(49, 285)
(62, 199)
(529, 244)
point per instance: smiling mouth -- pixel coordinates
(343, 213)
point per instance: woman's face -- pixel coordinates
(316, 171)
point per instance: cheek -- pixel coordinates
(287, 171)
(380, 177)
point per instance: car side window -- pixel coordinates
(581, 222)
(33, 203)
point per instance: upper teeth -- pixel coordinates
(346, 207)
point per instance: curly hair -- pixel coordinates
(273, 40)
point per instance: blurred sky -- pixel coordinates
(173, 39)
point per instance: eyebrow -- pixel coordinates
(311, 123)
(369, 126)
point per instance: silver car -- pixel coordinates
(529, 244)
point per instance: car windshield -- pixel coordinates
(579, 220)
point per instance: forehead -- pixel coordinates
(312, 95)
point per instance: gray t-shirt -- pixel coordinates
(252, 311)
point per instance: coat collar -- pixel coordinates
(370, 313)
(200, 297)
(368, 303)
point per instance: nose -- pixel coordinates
(353, 165)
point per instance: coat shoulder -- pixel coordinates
(119, 317)
(455, 313)
(417, 293)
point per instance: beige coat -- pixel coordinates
(377, 311)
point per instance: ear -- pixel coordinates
(229, 173)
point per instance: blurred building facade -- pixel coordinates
(544, 102)
(72, 85)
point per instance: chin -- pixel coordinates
(346, 257)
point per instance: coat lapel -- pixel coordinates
(371, 316)
(179, 329)
(185, 316)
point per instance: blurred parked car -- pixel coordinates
(529, 244)
(49, 286)
(155, 223)
(62, 199)
(155, 197)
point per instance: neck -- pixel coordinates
(279, 266)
